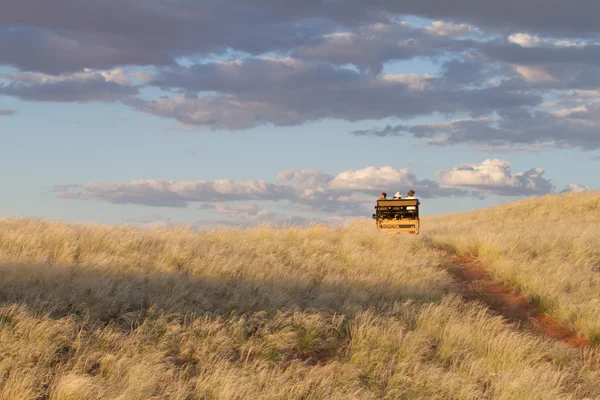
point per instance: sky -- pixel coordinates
(156, 112)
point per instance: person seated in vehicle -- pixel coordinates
(398, 214)
(411, 196)
(382, 196)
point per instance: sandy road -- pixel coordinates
(476, 284)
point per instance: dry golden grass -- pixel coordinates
(547, 247)
(91, 312)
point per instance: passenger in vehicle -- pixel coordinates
(382, 196)
(411, 196)
(397, 196)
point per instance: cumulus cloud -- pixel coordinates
(525, 40)
(373, 178)
(310, 177)
(343, 196)
(443, 28)
(494, 176)
(576, 188)
(532, 74)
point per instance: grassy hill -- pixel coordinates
(547, 248)
(91, 312)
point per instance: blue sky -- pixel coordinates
(293, 130)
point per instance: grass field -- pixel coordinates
(97, 312)
(547, 248)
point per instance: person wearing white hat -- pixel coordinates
(397, 196)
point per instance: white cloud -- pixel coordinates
(373, 178)
(576, 188)
(568, 43)
(525, 40)
(567, 112)
(532, 74)
(308, 177)
(415, 82)
(312, 191)
(443, 28)
(494, 176)
(178, 194)
(116, 75)
(346, 195)
(347, 37)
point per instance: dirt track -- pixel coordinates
(476, 284)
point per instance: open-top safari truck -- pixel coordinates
(398, 216)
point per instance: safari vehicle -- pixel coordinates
(398, 216)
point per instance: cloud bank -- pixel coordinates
(326, 197)
(504, 74)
